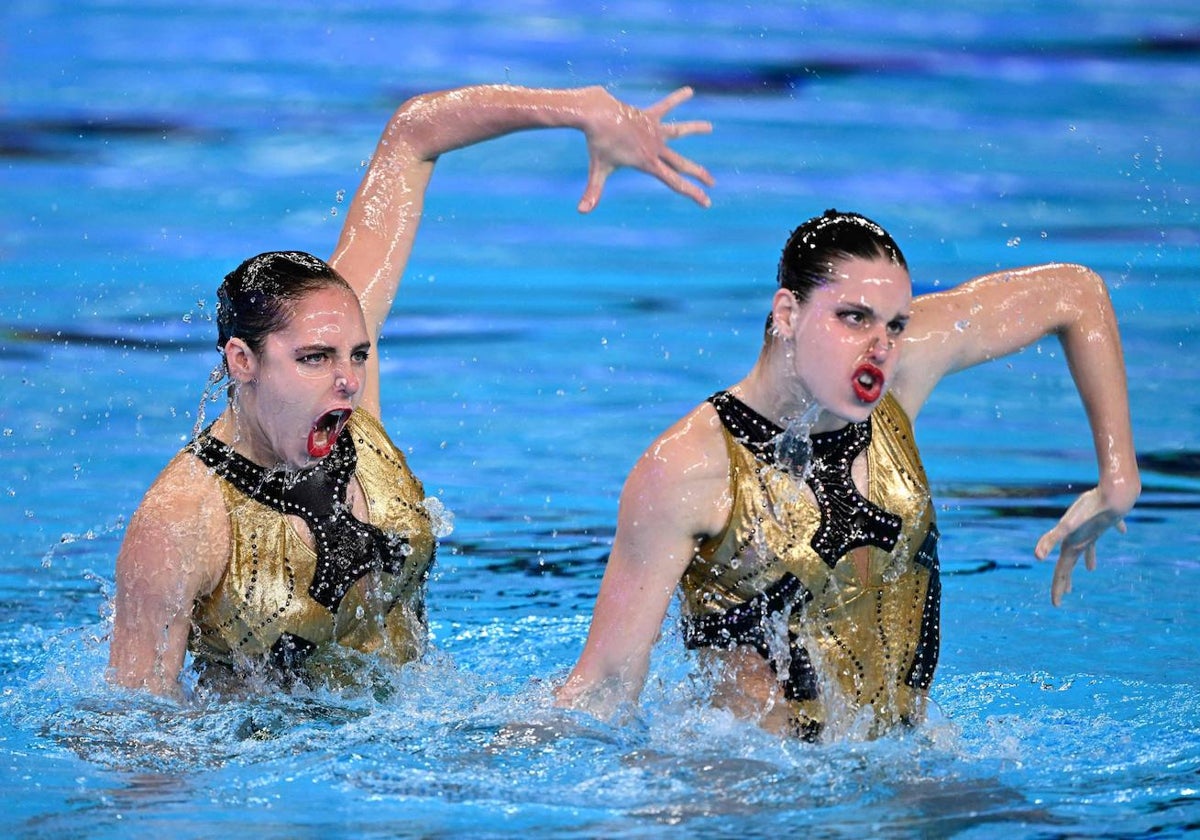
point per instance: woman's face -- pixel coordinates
(844, 340)
(306, 380)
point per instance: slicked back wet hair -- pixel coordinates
(256, 298)
(817, 246)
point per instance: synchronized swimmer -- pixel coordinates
(292, 527)
(790, 511)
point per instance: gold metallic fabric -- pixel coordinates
(264, 592)
(861, 635)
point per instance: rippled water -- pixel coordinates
(146, 149)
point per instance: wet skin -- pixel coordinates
(297, 391)
(841, 345)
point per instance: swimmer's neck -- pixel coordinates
(236, 430)
(784, 406)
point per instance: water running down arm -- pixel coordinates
(382, 221)
(174, 551)
(1001, 313)
(675, 493)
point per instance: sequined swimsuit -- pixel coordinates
(779, 578)
(279, 600)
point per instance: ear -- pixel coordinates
(784, 313)
(241, 361)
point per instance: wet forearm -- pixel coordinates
(1092, 345)
(381, 224)
(434, 123)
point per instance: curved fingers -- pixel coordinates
(1061, 584)
(598, 173)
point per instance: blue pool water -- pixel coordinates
(146, 148)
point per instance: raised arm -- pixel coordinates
(1001, 313)
(381, 223)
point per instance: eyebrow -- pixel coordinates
(329, 348)
(313, 348)
(866, 309)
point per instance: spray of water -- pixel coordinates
(216, 378)
(793, 446)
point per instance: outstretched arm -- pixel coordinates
(1001, 313)
(381, 223)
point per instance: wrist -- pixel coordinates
(1121, 489)
(591, 104)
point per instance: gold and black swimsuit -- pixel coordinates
(362, 587)
(780, 580)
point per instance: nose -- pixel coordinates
(347, 382)
(882, 345)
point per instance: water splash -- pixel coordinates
(793, 446)
(216, 378)
(441, 517)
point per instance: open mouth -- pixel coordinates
(868, 383)
(324, 433)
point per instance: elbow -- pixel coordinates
(1086, 284)
(414, 126)
(1084, 310)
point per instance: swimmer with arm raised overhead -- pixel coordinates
(293, 524)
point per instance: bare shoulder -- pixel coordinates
(181, 522)
(175, 551)
(684, 473)
(932, 343)
(185, 486)
(693, 446)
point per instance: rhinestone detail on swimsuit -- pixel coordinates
(347, 548)
(848, 519)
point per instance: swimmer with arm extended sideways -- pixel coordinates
(791, 511)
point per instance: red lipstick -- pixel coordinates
(868, 382)
(324, 433)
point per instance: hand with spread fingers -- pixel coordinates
(212, 562)
(790, 512)
(625, 136)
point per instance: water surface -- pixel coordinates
(147, 149)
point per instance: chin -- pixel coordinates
(857, 413)
(301, 461)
